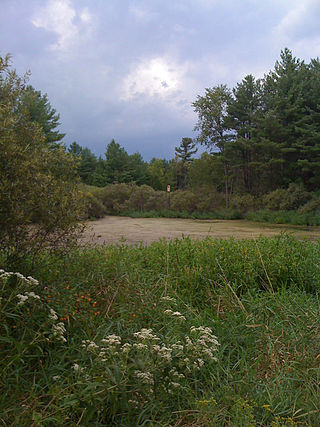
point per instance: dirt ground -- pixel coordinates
(112, 229)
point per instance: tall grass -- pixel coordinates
(139, 325)
(283, 217)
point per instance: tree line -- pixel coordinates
(262, 138)
(259, 136)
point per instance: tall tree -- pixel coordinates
(75, 149)
(184, 152)
(214, 131)
(87, 166)
(38, 184)
(117, 164)
(242, 119)
(40, 111)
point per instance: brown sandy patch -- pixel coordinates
(112, 229)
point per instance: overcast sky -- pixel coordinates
(130, 69)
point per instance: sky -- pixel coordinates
(129, 70)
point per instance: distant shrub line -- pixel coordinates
(284, 206)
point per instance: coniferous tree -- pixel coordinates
(40, 111)
(184, 152)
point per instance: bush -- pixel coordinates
(145, 198)
(243, 203)
(114, 197)
(291, 198)
(311, 207)
(209, 199)
(184, 201)
(38, 180)
(94, 207)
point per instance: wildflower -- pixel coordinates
(165, 353)
(23, 299)
(75, 367)
(33, 295)
(146, 334)
(145, 377)
(174, 385)
(177, 347)
(112, 340)
(126, 348)
(32, 280)
(179, 315)
(53, 315)
(58, 331)
(175, 314)
(140, 346)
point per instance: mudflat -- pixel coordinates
(113, 229)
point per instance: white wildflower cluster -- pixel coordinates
(126, 348)
(24, 298)
(58, 331)
(53, 315)
(175, 314)
(145, 334)
(203, 344)
(6, 274)
(140, 346)
(76, 368)
(163, 353)
(145, 377)
(111, 340)
(89, 345)
(146, 357)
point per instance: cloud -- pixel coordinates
(58, 16)
(299, 28)
(156, 77)
(141, 14)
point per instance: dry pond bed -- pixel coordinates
(113, 229)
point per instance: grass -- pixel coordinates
(283, 217)
(166, 213)
(259, 298)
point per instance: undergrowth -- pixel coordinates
(185, 333)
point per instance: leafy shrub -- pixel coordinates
(291, 198)
(144, 198)
(209, 199)
(38, 182)
(94, 206)
(184, 201)
(311, 207)
(114, 197)
(243, 203)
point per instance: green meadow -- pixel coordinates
(185, 333)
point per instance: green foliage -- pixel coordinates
(311, 207)
(38, 183)
(265, 132)
(138, 323)
(145, 198)
(243, 203)
(291, 198)
(39, 110)
(283, 217)
(186, 149)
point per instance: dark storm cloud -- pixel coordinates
(130, 69)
